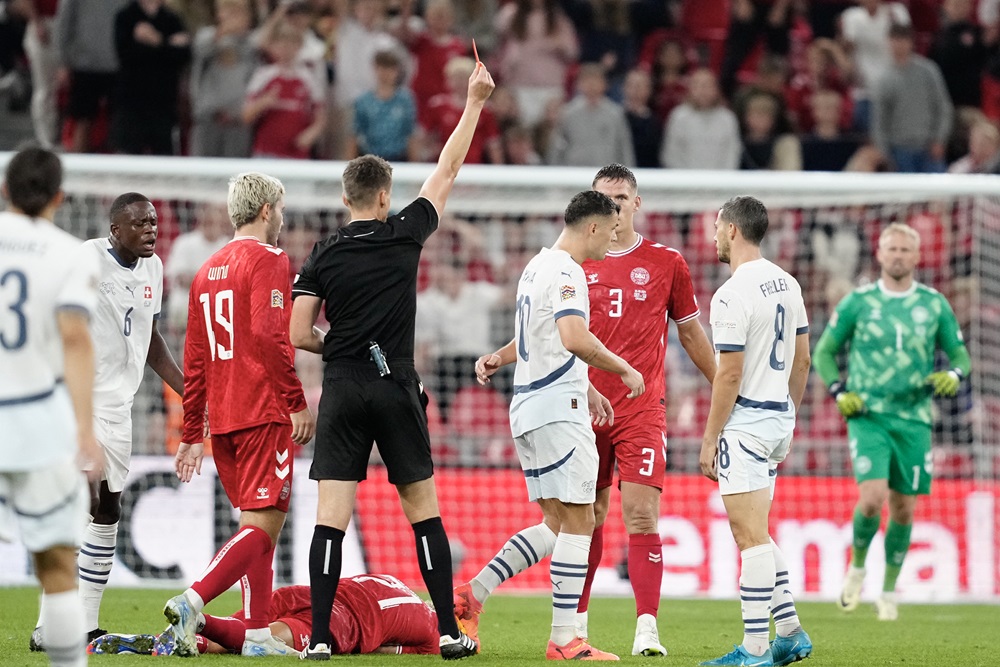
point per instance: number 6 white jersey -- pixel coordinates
(759, 311)
(42, 270)
(130, 298)
(550, 383)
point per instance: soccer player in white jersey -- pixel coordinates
(125, 340)
(550, 417)
(761, 337)
(48, 290)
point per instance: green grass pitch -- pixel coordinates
(514, 631)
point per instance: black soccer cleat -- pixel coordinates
(456, 649)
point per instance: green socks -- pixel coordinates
(897, 543)
(864, 530)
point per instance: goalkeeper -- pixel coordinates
(894, 328)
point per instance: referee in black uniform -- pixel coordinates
(367, 275)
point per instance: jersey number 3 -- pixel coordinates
(16, 307)
(223, 317)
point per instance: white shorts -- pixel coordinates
(559, 461)
(49, 505)
(746, 463)
(114, 435)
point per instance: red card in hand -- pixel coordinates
(475, 52)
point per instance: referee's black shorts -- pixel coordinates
(357, 408)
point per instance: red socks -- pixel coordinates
(256, 585)
(242, 553)
(593, 562)
(229, 633)
(645, 571)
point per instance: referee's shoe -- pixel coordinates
(456, 649)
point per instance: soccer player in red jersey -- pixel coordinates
(633, 292)
(373, 613)
(239, 362)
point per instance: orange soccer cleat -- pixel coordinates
(577, 649)
(467, 611)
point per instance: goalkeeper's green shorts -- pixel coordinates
(886, 447)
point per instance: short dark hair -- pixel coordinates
(122, 202)
(749, 215)
(33, 178)
(387, 58)
(589, 203)
(901, 30)
(364, 177)
(616, 172)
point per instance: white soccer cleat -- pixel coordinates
(850, 594)
(270, 646)
(647, 637)
(580, 625)
(886, 607)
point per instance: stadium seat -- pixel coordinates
(479, 424)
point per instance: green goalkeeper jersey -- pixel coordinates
(893, 337)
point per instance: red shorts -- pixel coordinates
(638, 443)
(255, 465)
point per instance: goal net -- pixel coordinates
(823, 230)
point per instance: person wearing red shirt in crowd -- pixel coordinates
(432, 49)
(284, 103)
(373, 613)
(238, 361)
(445, 110)
(633, 292)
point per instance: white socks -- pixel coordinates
(786, 619)
(94, 560)
(756, 589)
(519, 553)
(568, 572)
(63, 634)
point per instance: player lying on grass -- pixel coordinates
(373, 613)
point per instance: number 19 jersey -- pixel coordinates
(550, 383)
(237, 356)
(759, 311)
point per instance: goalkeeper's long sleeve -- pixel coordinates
(825, 359)
(960, 359)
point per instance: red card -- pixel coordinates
(475, 52)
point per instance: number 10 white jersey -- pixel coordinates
(550, 383)
(759, 311)
(129, 300)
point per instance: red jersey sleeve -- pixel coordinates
(269, 293)
(195, 349)
(682, 304)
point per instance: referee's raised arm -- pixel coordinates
(437, 187)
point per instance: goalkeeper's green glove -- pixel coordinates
(945, 383)
(849, 403)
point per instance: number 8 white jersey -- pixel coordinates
(130, 298)
(550, 383)
(759, 311)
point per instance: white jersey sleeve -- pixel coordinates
(550, 383)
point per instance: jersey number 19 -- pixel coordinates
(224, 318)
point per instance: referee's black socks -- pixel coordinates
(325, 556)
(434, 556)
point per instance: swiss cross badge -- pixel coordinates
(147, 292)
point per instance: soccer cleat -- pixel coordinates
(112, 644)
(850, 594)
(183, 621)
(796, 646)
(317, 652)
(577, 650)
(95, 633)
(271, 646)
(165, 642)
(35, 642)
(739, 657)
(580, 625)
(467, 611)
(886, 608)
(647, 637)
(456, 649)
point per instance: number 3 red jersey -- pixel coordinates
(237, 356)
(632, 295)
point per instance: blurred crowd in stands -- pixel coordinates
(867, 85)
